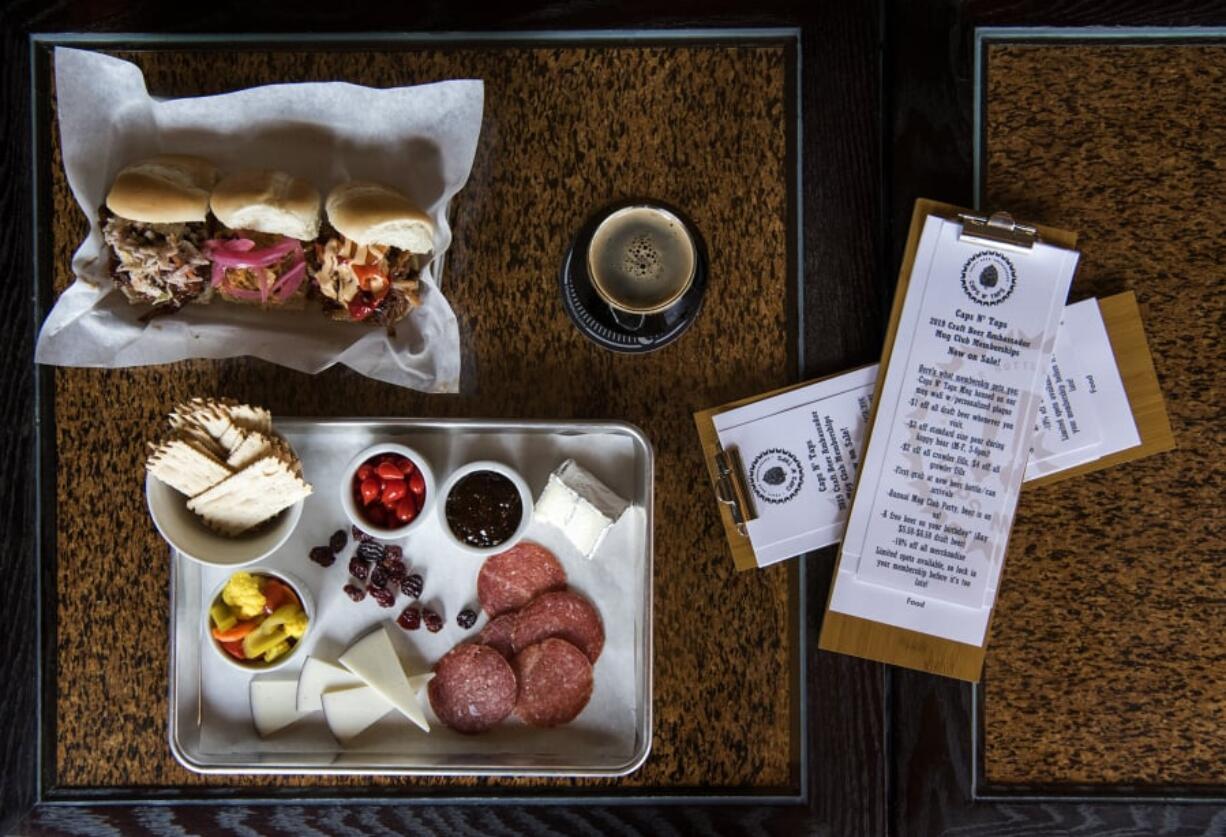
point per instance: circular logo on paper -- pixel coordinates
(776, 475)
(988, 277)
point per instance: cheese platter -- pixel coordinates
(412, 661)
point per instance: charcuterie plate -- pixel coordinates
(211, 722)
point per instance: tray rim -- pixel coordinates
(644, 728)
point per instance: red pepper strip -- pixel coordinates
(235, 650)
(365, 272)
(359, 309)
(235, 632)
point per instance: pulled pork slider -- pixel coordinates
(367, 262)
(257, 255)
(156, 222)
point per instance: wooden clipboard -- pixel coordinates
(899, 646)
(848, 634)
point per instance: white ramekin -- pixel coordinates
(308, 604)
(355, 514)
(525, 496)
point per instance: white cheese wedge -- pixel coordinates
(579, 504)
(373, 658)
(319, 676)
(350, 712)
(274, 705)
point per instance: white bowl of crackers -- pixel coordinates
(222, 487)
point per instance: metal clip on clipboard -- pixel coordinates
(997, 228)
(730, 488)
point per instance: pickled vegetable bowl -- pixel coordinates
(257, 619)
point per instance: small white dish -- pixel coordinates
(354, 513)
(308, 604)
(525, 497)
(186, 532)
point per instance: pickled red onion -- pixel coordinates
(290, 281)
(234, 245)
(241, 255)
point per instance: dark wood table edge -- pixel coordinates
(32, 790)
(937, 779)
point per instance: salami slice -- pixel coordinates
(497, 633)
(473, 688)
(511, 579)
(555, 683)
(565, 615)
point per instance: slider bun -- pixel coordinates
(166, 189)
(268, 202)
(368, 213)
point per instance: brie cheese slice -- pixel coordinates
(580, 505)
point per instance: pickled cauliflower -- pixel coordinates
(257, 618)
(296, 624)
(243, 593)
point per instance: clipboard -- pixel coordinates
(1121, 317)
(899, 646)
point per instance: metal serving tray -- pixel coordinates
(210, 726)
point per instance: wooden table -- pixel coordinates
(754, 728)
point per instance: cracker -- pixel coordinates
(186, 466)
(253, 495)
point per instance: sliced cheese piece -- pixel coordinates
(420, 681)
(373, 658)
(579, 504)
(319, 676)
(274, 705)
(349, 712)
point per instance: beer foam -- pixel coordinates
(642, 258)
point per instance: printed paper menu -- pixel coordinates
(952, 435)
(800, 450)
(799, 456)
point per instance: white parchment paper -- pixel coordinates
(420, 140)
(604, 733)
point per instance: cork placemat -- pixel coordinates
(566, 129)
(1107, 664)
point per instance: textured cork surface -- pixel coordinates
(566, 130)
(1107, 663)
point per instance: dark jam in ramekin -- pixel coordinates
(484, 509)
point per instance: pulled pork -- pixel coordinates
(384, 290)
(159, 264)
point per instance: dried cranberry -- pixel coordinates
(370, 551)
(378, 578)
(323, 556)
(358, 568)
(410, 619)
(355, 592)
(395, 569)
(434, 622)
(360, 536)
(385, 597)
(338, 540)
(394, 551)
(412, 586)
(466, 618)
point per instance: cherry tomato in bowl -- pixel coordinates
(387, 489)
